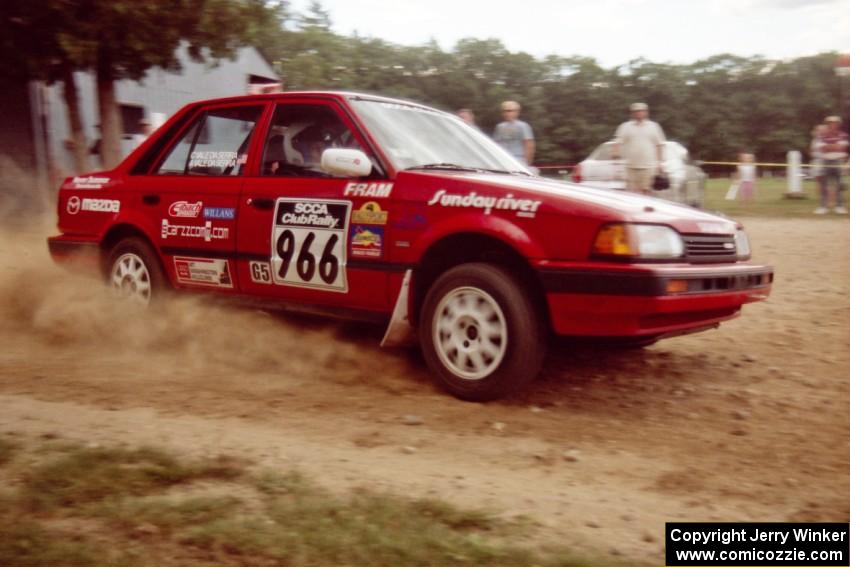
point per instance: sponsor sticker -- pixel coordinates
(370, 213)
(206, 231)
(75, 205)
(220, 213)
(185, 209)
(524, 207)
(367, 241)
(377, 190)
(310, 243)
(209, 272)
(204, 159)
(410, 222)
(315, 214)
(90, 182)
(261, 272)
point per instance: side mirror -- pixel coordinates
(343, 162)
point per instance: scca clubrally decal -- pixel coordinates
(310, 243)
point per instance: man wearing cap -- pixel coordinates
(640, 143)
(515, 135)
(832, 147)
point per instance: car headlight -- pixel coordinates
(742, 245)
(641, 241)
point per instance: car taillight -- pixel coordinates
(577, 174)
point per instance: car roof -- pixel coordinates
(666, 143)
(337, 95)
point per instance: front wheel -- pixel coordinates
(133, 271)
(481, 335)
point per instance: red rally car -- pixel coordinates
(368, 207)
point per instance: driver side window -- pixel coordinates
(298, 135)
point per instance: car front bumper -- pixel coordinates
(648, 299)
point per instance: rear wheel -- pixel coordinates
(481, 335)
(134, 272)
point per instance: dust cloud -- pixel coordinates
(21, 194)
(52, 313)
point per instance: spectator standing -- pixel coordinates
(515, 135)
(466, 115)
(746, 176)
(816, 164)
(832, 147)
(640, 142)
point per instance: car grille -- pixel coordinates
(706, 248)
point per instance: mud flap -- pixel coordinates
(400, 332)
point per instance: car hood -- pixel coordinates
(612, 205)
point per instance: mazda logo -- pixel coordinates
(73, 206)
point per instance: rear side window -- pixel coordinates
(216, 143)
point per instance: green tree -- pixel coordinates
(122, 39)
(31, 48)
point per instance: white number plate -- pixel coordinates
(310, 243)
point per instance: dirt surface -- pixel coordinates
(750, 422)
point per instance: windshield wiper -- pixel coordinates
(451, 166)
(508, 172)
(456, 167)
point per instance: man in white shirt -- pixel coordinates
(640, 142)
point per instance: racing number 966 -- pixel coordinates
(309, 240)
(305, 263)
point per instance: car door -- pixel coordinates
(307, 237)
(190, 196)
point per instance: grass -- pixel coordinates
(146, 507)
(26, 543)
(89, 475)
(770, 200)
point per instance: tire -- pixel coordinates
(470, 364)
(133, 271)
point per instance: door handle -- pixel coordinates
(150, 199)
(261, 203)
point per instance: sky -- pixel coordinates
(612, 31)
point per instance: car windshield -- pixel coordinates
(413, 136)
